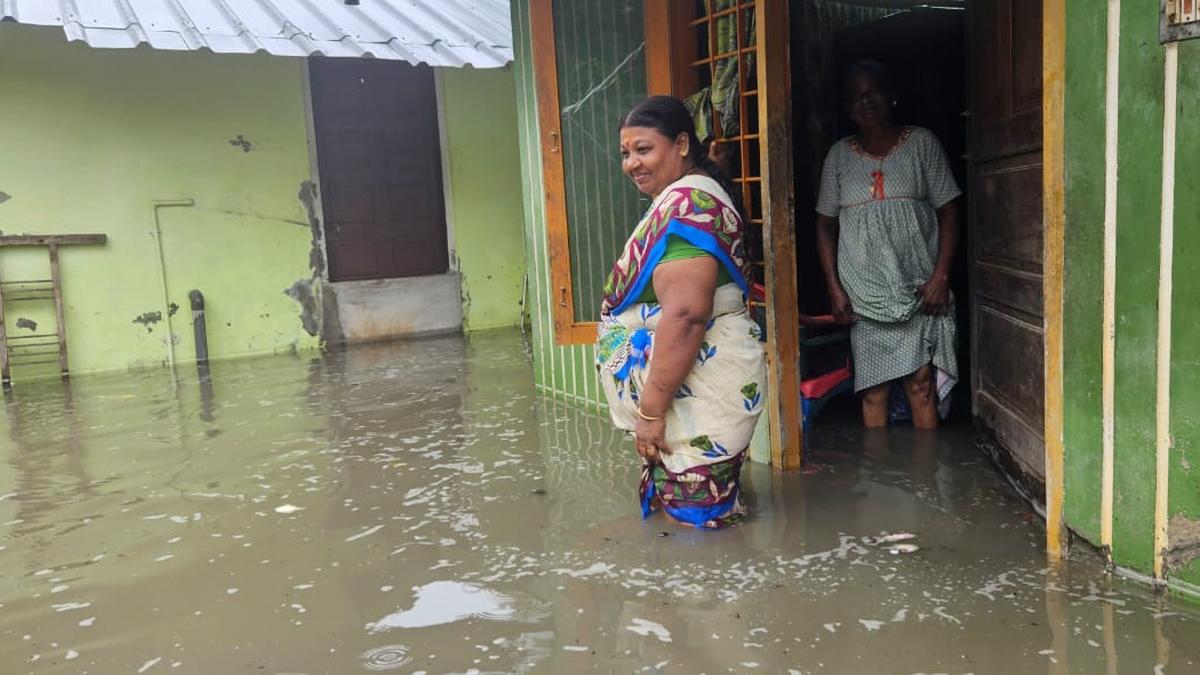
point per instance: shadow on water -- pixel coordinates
(419, 506)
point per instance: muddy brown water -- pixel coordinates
(419, 507)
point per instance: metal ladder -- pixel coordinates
(39, 348)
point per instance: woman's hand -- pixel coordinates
(649, 438)
(843, 311)
(935, 295)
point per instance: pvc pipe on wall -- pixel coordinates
(162, 268)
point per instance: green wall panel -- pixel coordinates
(1184, 486)
(601, 74)
(1139, 193)
(1084, 265)
(1138, 220)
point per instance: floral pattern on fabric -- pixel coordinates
(689, 210)
(707, 497)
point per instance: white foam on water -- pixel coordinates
(871, 624)
(287, 509)
(365, 533)
(832, 627)
(890, 538)
(71, 655)
(941, 611)
(87, 623)
(597, 568)
(646, 628)
(149, 664)
(69, 606)
(575, 648)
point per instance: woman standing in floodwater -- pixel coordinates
(679, 359)
(887, 228)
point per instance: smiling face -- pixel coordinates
(870, 103)
(651, 159)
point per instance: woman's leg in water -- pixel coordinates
(875, 406)
(922, 398)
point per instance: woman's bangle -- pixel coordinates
(648, 418)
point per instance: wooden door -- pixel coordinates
(1006, 225)
(379, 156)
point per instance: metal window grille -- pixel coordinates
(724, 35)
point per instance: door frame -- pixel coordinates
(567, 330)
(1054, 56)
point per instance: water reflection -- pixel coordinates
(420, 507)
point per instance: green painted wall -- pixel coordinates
(91, 138)
(1140, 121)
(1184, 485)
(1084, 265)
(486, 201)
(1139, 196)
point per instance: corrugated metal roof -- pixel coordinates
(450, 33)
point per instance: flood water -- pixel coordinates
(419, 507)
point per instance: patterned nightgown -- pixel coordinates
(888, 246)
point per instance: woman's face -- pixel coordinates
(870, 103)
(651, 159)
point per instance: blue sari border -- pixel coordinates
(698, 238)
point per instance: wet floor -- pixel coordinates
(418, 507)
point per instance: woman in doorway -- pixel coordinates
(679, 359)
(887, 229)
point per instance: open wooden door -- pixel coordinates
(1006, 229)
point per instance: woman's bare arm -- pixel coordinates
(827, 243)
(685, 291)
(935, 294)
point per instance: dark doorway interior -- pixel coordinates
(380, 164)
(925, 51)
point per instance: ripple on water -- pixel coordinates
(387, 657)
